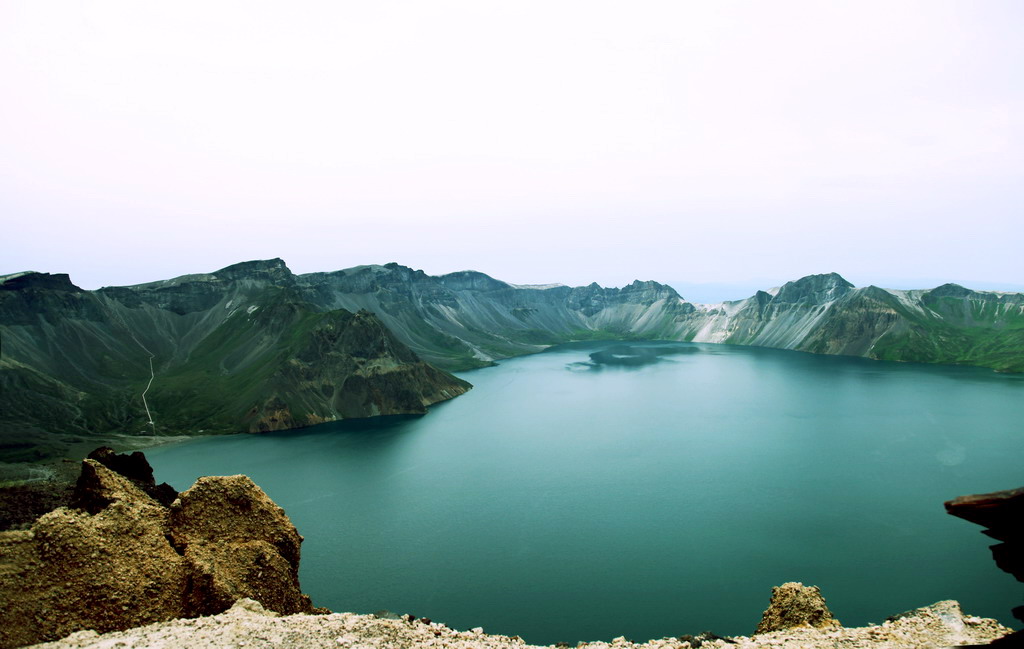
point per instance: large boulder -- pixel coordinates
(238, 544)
(223, 573)
(232, 509)
(795, 605)
(122, 559)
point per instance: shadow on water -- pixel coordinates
(357, 427)
(365, 435)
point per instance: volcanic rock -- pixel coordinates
(109, 567)
(238, 543)
(136, 468)
(795, 605)
(123, 559)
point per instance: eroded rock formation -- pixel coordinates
(91, 489)
(795, 605)
(237, 543)
(122, 559)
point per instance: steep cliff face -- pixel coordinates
(231, 351)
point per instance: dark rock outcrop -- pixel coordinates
(1002, 514)
(795, 605)
(33, 280)
(69, 484)
(126, 560)
(135, 467)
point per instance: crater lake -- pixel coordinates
(647, 490)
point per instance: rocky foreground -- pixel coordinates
(129, 552)
(129, 563)
(247, 624)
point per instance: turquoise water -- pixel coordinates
(650, 491)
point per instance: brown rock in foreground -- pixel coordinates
(112, 565)
(238, 543)
(795, 605)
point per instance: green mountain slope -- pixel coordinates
(957, 325)
(233, 351)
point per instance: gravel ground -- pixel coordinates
(248, 626)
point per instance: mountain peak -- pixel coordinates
(656, 290)
(814, 289)
(273, 269)
(950, 290)
(471, 279)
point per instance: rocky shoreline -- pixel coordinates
(249, 625)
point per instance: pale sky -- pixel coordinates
(554, 141)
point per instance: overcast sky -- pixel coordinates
(689, 142)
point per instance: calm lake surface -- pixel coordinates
(653, 490)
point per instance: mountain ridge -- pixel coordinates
(459, 326)
(232, 351)
(254, 347)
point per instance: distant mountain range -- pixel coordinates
(255, 347)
